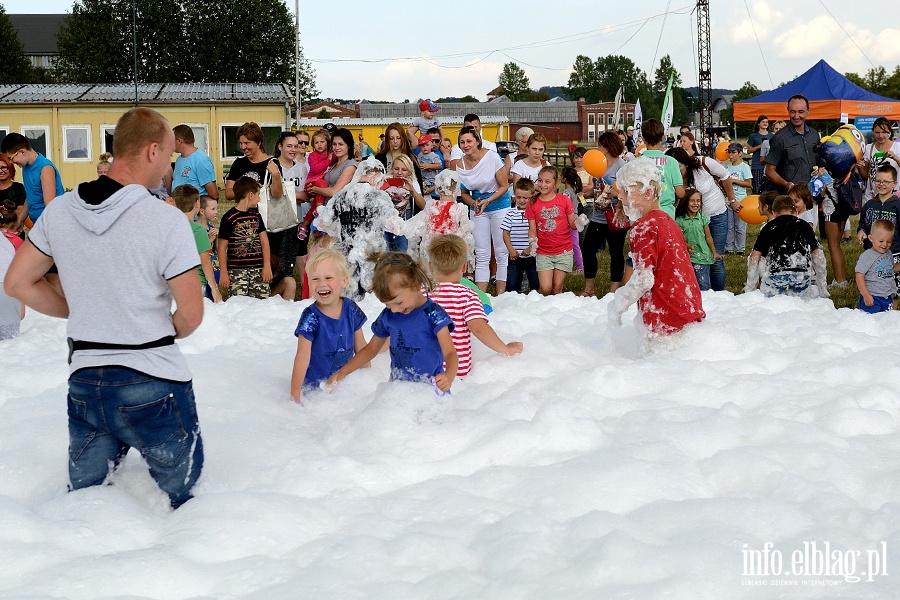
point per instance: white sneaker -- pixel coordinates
(834, 285)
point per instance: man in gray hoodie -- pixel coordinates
(123, 256)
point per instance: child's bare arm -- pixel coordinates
(513, 253)
(482, 330)
(363, 356)
(267, 259)
(863, 290)
(206, 265)
(224, 281)
(301, 364)
(359, 342)
(571, 218)
(451, 359)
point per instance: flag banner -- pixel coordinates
(668, 106)
(638, 119)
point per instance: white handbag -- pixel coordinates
(279, 213)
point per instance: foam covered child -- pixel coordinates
(663, 283)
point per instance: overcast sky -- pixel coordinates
(460, 49)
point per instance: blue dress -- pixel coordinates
(332, 339)
(415, 351)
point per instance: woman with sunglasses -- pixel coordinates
(485, 182)
(12, 190)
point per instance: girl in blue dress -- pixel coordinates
(419, 329)
(330, 329)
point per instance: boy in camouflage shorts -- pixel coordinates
(244, 259)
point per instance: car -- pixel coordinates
(507, 147)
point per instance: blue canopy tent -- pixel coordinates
(830, 95)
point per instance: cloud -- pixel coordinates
(766, 20)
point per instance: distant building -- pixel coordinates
(599, 117)
(73, 124)
(37, 34)
(335, 111)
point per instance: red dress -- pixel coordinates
(657, 243)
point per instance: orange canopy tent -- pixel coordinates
(830, 95)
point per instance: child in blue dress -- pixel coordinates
(330, 330)
(419, 329)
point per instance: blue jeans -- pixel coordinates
(524, 265)
(112, 409)
(718, 227)
(396, 243)
(702, 273)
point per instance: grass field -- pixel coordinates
(735, 267)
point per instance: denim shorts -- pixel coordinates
(112, 409)
(560, 262)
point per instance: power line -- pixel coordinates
(847, 34)
(659, 39)
(753, 27)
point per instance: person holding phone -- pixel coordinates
(883, 151)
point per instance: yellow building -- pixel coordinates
(73, 124)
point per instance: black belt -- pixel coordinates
(76, 345)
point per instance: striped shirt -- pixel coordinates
(463, 305)
(517, 225)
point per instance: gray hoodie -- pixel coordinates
(115, 258)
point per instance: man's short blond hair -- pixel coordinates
(137, 128)
(447, 254)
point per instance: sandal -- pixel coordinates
(587, 294)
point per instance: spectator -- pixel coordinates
(791, 154)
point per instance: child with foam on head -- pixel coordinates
(428, 120)
(550, 219)
(244, 260)
(663, 283)
(419, 329)
(515, 236)
(447, 258)
(187, 200)
(785, 252)
(329, 332)
(695, 226)
(875, 270)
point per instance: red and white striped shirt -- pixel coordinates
(463, 305)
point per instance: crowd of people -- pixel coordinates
(425, 225)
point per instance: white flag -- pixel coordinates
(638, 119)
(617, 112)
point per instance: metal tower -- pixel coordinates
(705, 88)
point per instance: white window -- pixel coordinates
(107, 135)
(591, 135)
(38, 136)
(77, 143)
(609, 121)
(4, 129)
(590, 120)
(231, 148)
(201, 137)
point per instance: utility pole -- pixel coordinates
(703, 51)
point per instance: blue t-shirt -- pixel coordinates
(332, 339)
(415, 351)
(34, 193)
(196, 169)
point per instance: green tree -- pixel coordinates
(14, 68)
(214, 41)
(514, 82)
(323, 113)
(583, 82)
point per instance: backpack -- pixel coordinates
(849, 193)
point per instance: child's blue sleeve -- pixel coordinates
(379, 327)
(308, 326)
(357, 316)
(438, 318)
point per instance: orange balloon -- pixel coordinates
(722, 151)
(594, 163)
(749, 212)
(640, 149)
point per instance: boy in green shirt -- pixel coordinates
(654, 133)
(187, 199)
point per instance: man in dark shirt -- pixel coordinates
(792, 150)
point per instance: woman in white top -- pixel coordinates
(291, 153)
(702, 173)
(533, 162)
(883, 151)
(483, 176)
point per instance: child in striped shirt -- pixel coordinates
(447, 256)
(515, 236)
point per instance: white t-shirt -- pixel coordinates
(867, 154)
(714, 202)
(523, 170)
(481, 177)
